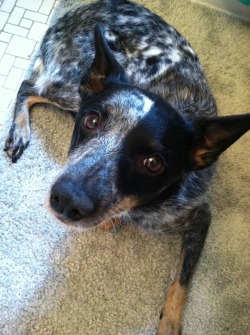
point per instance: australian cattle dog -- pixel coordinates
(146, 132)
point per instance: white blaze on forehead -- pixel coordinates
(133, 104)
(153, 51)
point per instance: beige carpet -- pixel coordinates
(61, 282)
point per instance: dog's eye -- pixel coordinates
(92, 121)
(154, 164)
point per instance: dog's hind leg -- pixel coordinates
(193, 241)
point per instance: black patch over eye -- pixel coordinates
(92, 120)
(154, 164)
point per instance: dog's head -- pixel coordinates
(129, 146)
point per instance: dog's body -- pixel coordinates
(146, 133)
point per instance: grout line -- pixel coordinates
(19, 65)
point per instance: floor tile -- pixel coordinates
(6, 98)
(22, 63)
(14, 77)
(6, 63)
(3, 19)
(37, 31)
(22, 25)
(20, 47)
(35, 16)
(7, 6)
(30, 4)
(2, 80)
(15, 30)
(25, 23)
(16, 15)
(3, 47)
(5, 37)
(46, 7)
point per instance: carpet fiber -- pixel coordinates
(57, 281)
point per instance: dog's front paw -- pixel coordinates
(168, 326)
(170, 322)
(17, 141)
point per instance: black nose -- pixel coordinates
(69, 200)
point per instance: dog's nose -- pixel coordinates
(69, 200)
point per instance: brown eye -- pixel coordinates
(92, 121)
(154, 164)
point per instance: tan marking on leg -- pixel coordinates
(170, 323)
(32, 100)
(19, 133)
(22, 118)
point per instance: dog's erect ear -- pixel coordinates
(213, 136)
(104, 68)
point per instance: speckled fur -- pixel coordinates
(153, 54)
(155, 58)
(145, 83)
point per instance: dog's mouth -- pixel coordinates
(106, 211)
(81, 223)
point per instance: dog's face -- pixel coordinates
(128, 147)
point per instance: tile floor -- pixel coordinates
(22, 25)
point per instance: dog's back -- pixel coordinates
(153, 54)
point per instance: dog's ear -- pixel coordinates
(210, 137)
(104, 68)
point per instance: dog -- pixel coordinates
(146, 134)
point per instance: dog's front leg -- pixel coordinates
(193, 241)
(19, 133)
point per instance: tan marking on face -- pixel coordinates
(95, 83)
(170, 322)
(127, 203)
(108, 225)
